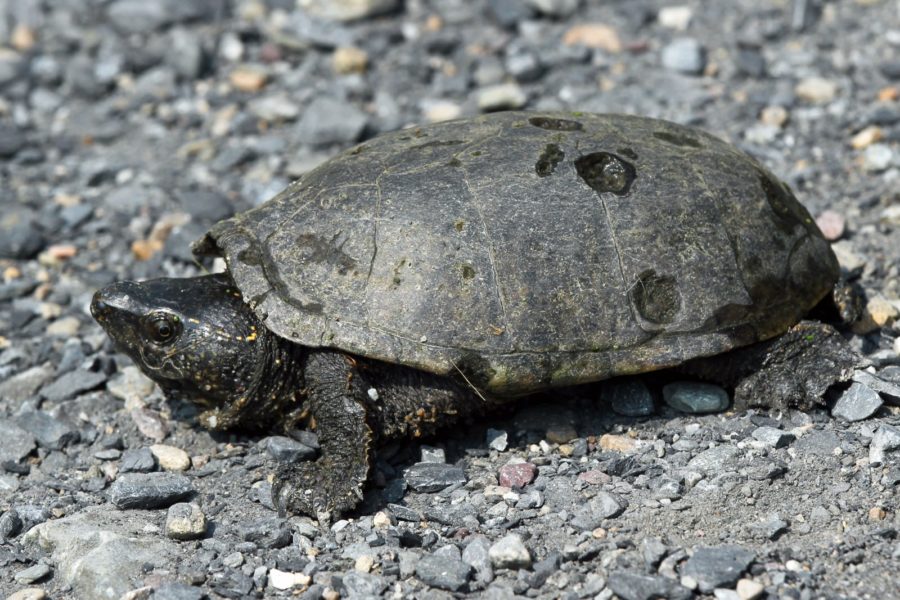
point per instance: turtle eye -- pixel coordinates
(163, 327)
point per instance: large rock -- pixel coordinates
(102, 552)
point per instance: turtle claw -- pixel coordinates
(316, 490)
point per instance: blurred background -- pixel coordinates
(127, 127)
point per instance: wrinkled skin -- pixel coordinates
(197, 339)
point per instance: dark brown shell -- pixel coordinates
(531, 250)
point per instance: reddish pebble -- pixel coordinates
(594, 477)
(832, 224)
(518, 475)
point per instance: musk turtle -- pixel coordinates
(427, 274)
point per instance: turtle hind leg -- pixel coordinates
(333, 484)
(793, 370)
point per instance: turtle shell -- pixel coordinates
(531, 250)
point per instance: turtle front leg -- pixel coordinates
(334, 483)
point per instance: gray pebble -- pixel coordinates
(718, 566)
(267, 533)
(11, 140)
(47, 431)
(349, 10)
(363, 585)
(433, 477)
(328, 121)
(185, 521)
(32, 574)
(430, 454)
(443, 572)
(684, 55)
(886, 439)
(476, 554)
(818, 442)
(178, 591)
(773, 437)
(715, 459)
(497, 439)
(510, 552)
(288, 450)
(22, 385)
(631, 586)
(694, 397)
(10, 525)
(20, 236)
(15, 443)
(73, 383)
(884, 385)
(185, 54)
(555, 8)
(858, 402)
(136, 16)
(629, 397)
(139, 460)
(149, 490)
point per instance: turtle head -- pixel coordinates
(195, 337)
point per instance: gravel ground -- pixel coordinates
(127, 127)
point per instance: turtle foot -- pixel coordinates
(321, 491)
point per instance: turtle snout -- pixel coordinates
(112, 299)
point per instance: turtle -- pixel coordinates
(431, 274)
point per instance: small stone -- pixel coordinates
(441, 110)
(149, 423)
(877, 158)
(771, 528)
(695, 397)
(430, 454)
(876, 513)
(171, 458)
(443, 572)
(185, 521)
(47, 431)
(149, 490)
(349, 59)
(555, 8)
(327, 121)
(248, 78)
(629, 397)
(477, 554)
(517, 475)
(10, 525)
(137, 16)
(817, 90)
(890, 69)
(502, 96)
(832, 224)
(675, 17)
(594, 477)
(433, 477)
(631, 586)
(348, 10)
(20, 386)
(773, 437)
(270, 532)
(776, 116)
(497, 439)
(274, 108)
(32, 574)
(684, 55)
(867, 137)
(748, 589)
(288, 450)
(886, 439)
(510, 552)
(363, 585)
(28, 594)
(593, 35)
(285, 580)
(130, 385)
(15, 442)
(560, 432)
(364, 563)
(20, 236)
(618, 443)
(715, 459)
(381, 520)
(68, 327)
(717, 566)
(858, 402)
(877, 313)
